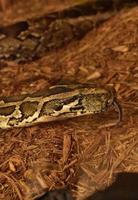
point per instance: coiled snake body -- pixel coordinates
(56, 103)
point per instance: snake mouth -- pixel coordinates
(119, 109)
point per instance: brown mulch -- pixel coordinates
(83, 153)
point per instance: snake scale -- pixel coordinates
(56, 103)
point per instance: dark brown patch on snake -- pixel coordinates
(9, 99)
(71, 99)
(28, 108)
(5, 111)
(51, 106)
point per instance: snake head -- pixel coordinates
(100, 99)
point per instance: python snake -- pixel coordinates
(56, 103)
